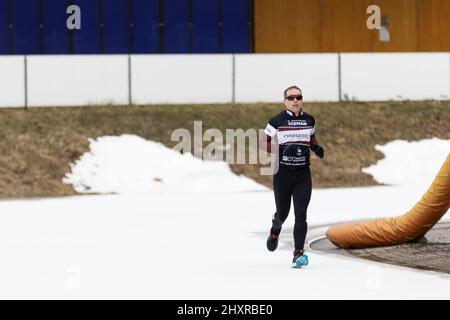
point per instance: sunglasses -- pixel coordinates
(292, 98)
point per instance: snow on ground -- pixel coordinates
(129, 164)
(409, 162)
(188, 245)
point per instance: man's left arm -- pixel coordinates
(315, 146)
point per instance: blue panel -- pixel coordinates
(145, 30)
(117, 26)
(26, 32)
(205, 36)
(55, 27)
(176, 33)
(3, 26)
(236, 35)
(87, 39)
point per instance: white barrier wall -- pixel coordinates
(395, 76)
(181, 79)
(12, 81)
(263, 77)
(62, 80)
(77, 80)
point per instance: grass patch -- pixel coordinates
(38, 144)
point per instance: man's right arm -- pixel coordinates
(265, 142)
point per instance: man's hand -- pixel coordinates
(318, 150)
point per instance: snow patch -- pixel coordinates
(129, 164)
(409, 162)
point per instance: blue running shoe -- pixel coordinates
(300, 259)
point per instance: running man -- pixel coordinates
(294, 132)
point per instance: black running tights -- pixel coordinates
(296, 184)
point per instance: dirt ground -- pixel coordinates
(432, 252)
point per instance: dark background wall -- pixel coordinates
(126, 26)
(221, 26)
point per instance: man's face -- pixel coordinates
(294, 100)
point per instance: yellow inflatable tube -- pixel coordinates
(391, 231)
